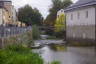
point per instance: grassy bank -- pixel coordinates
(17, 54)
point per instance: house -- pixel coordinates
(81, 21)
(7, 13)
(60, 12)
(60, 21)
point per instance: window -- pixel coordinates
(86, 14)
(78, 15)
(71, 16)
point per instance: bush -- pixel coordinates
(17, 54)
(51, 37)
(17, 48)
(61, 34)
(55, 62)
(35, 32)
(49, 32)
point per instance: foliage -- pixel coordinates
(57, 5)
(35, 32)
(51, 37)
(55, 62)
(61, 34)
(49, 32)
(17, 48)
(25, 39)
(60, 23)
(19, 55)
(56, 47)
(28, 38)
(29, 16)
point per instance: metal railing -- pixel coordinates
(11, 31)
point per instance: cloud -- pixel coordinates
(19, 3)
(42, 5)
(74, 0)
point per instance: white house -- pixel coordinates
(60, 12)
(81, 21)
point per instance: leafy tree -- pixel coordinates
(29, 16)
(35, 32)
(60, 24)
(57, 5)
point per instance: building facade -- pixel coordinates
(7, 13)
(81, 21)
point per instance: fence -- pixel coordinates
(11, 31)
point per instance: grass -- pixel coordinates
(17, 54)
(55, 62)
(58, 47)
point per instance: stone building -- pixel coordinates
(7, 12)
(81, 21)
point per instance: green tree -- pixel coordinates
(35, 32)
(60, 24)
(29, 15)
(57, 5)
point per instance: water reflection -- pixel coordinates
(73, 55)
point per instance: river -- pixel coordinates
(73, 55)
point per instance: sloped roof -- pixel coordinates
(81, 3)
(5, 0)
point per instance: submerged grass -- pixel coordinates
(58, 47)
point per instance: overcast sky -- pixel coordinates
(42, 5)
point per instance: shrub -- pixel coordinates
(55, 62)
(61, 34)
(17, 54)
(28, 39)
(35, 32)
(17, 48)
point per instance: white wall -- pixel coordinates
(14, 17)
(0, 16)
(83, 27)
(82, 20)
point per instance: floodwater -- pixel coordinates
(72, 55)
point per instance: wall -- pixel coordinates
(8, 7)
(79, 26)
(14, 17)
(0, 16)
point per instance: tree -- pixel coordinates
(57, 5)
(35, 32)
(60, 24)
(29, 16)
